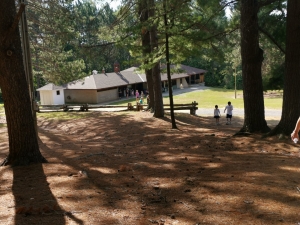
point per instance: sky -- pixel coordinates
(113, 3)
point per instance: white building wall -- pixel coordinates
(58, 97)
(108, 95)
(81, 96)
(184, 83)
(46, 97)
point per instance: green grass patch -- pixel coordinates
(210, 97)
(63, 115)
(1, 108)
(124, 101)
(273, 103)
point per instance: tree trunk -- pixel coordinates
(146, 44)
(150, 88)
(158, 101)
(168, 67)
(252, 57)
(23, 144)
(291, 90)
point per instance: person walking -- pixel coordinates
(137, 95)
(217, 114)
(229, 109)
(295, 133)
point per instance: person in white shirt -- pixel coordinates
(217, 114)
(229, 109)
(295, 134)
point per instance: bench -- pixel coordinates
(38, 108)
(136, 107)
(189, 106)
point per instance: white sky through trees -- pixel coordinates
(113, 3)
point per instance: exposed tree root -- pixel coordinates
(242, 133)
(246, 131)
(23, 161)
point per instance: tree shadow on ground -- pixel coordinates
(34, 201)
(139, 169)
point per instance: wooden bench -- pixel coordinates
(86, 107)
(38, 108)
(189, 106)
(136, 107)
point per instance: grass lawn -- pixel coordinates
(62, 115)
(210, 97)
(216, 96)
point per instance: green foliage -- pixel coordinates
(51, 33)
(62, 67)
(272, 41)
(71, 38)
(274, 80)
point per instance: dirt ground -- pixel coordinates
(116, 168)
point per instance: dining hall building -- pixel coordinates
(103, 87)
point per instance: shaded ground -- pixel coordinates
(131, 168)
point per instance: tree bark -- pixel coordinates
(291, 90)
(168, 67)
(252, 58)
(158, 101)
(146, 44)
(23, 143)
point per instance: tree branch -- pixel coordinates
(272, 39)
(266, 2)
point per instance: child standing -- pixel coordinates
(217, 114)
(141, 101)
(137, 96)
(229, 109)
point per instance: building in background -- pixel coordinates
(103, 87)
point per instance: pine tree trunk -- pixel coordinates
(146, 44)
(252, 57)
(291, 90)
(158, 100)
(168, 67)
(150, 88)
(23, 144)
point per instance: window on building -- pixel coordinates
(57, 92)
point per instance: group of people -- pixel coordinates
(126, 92)
(140, 97)
(229, 108)
(217, 113)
